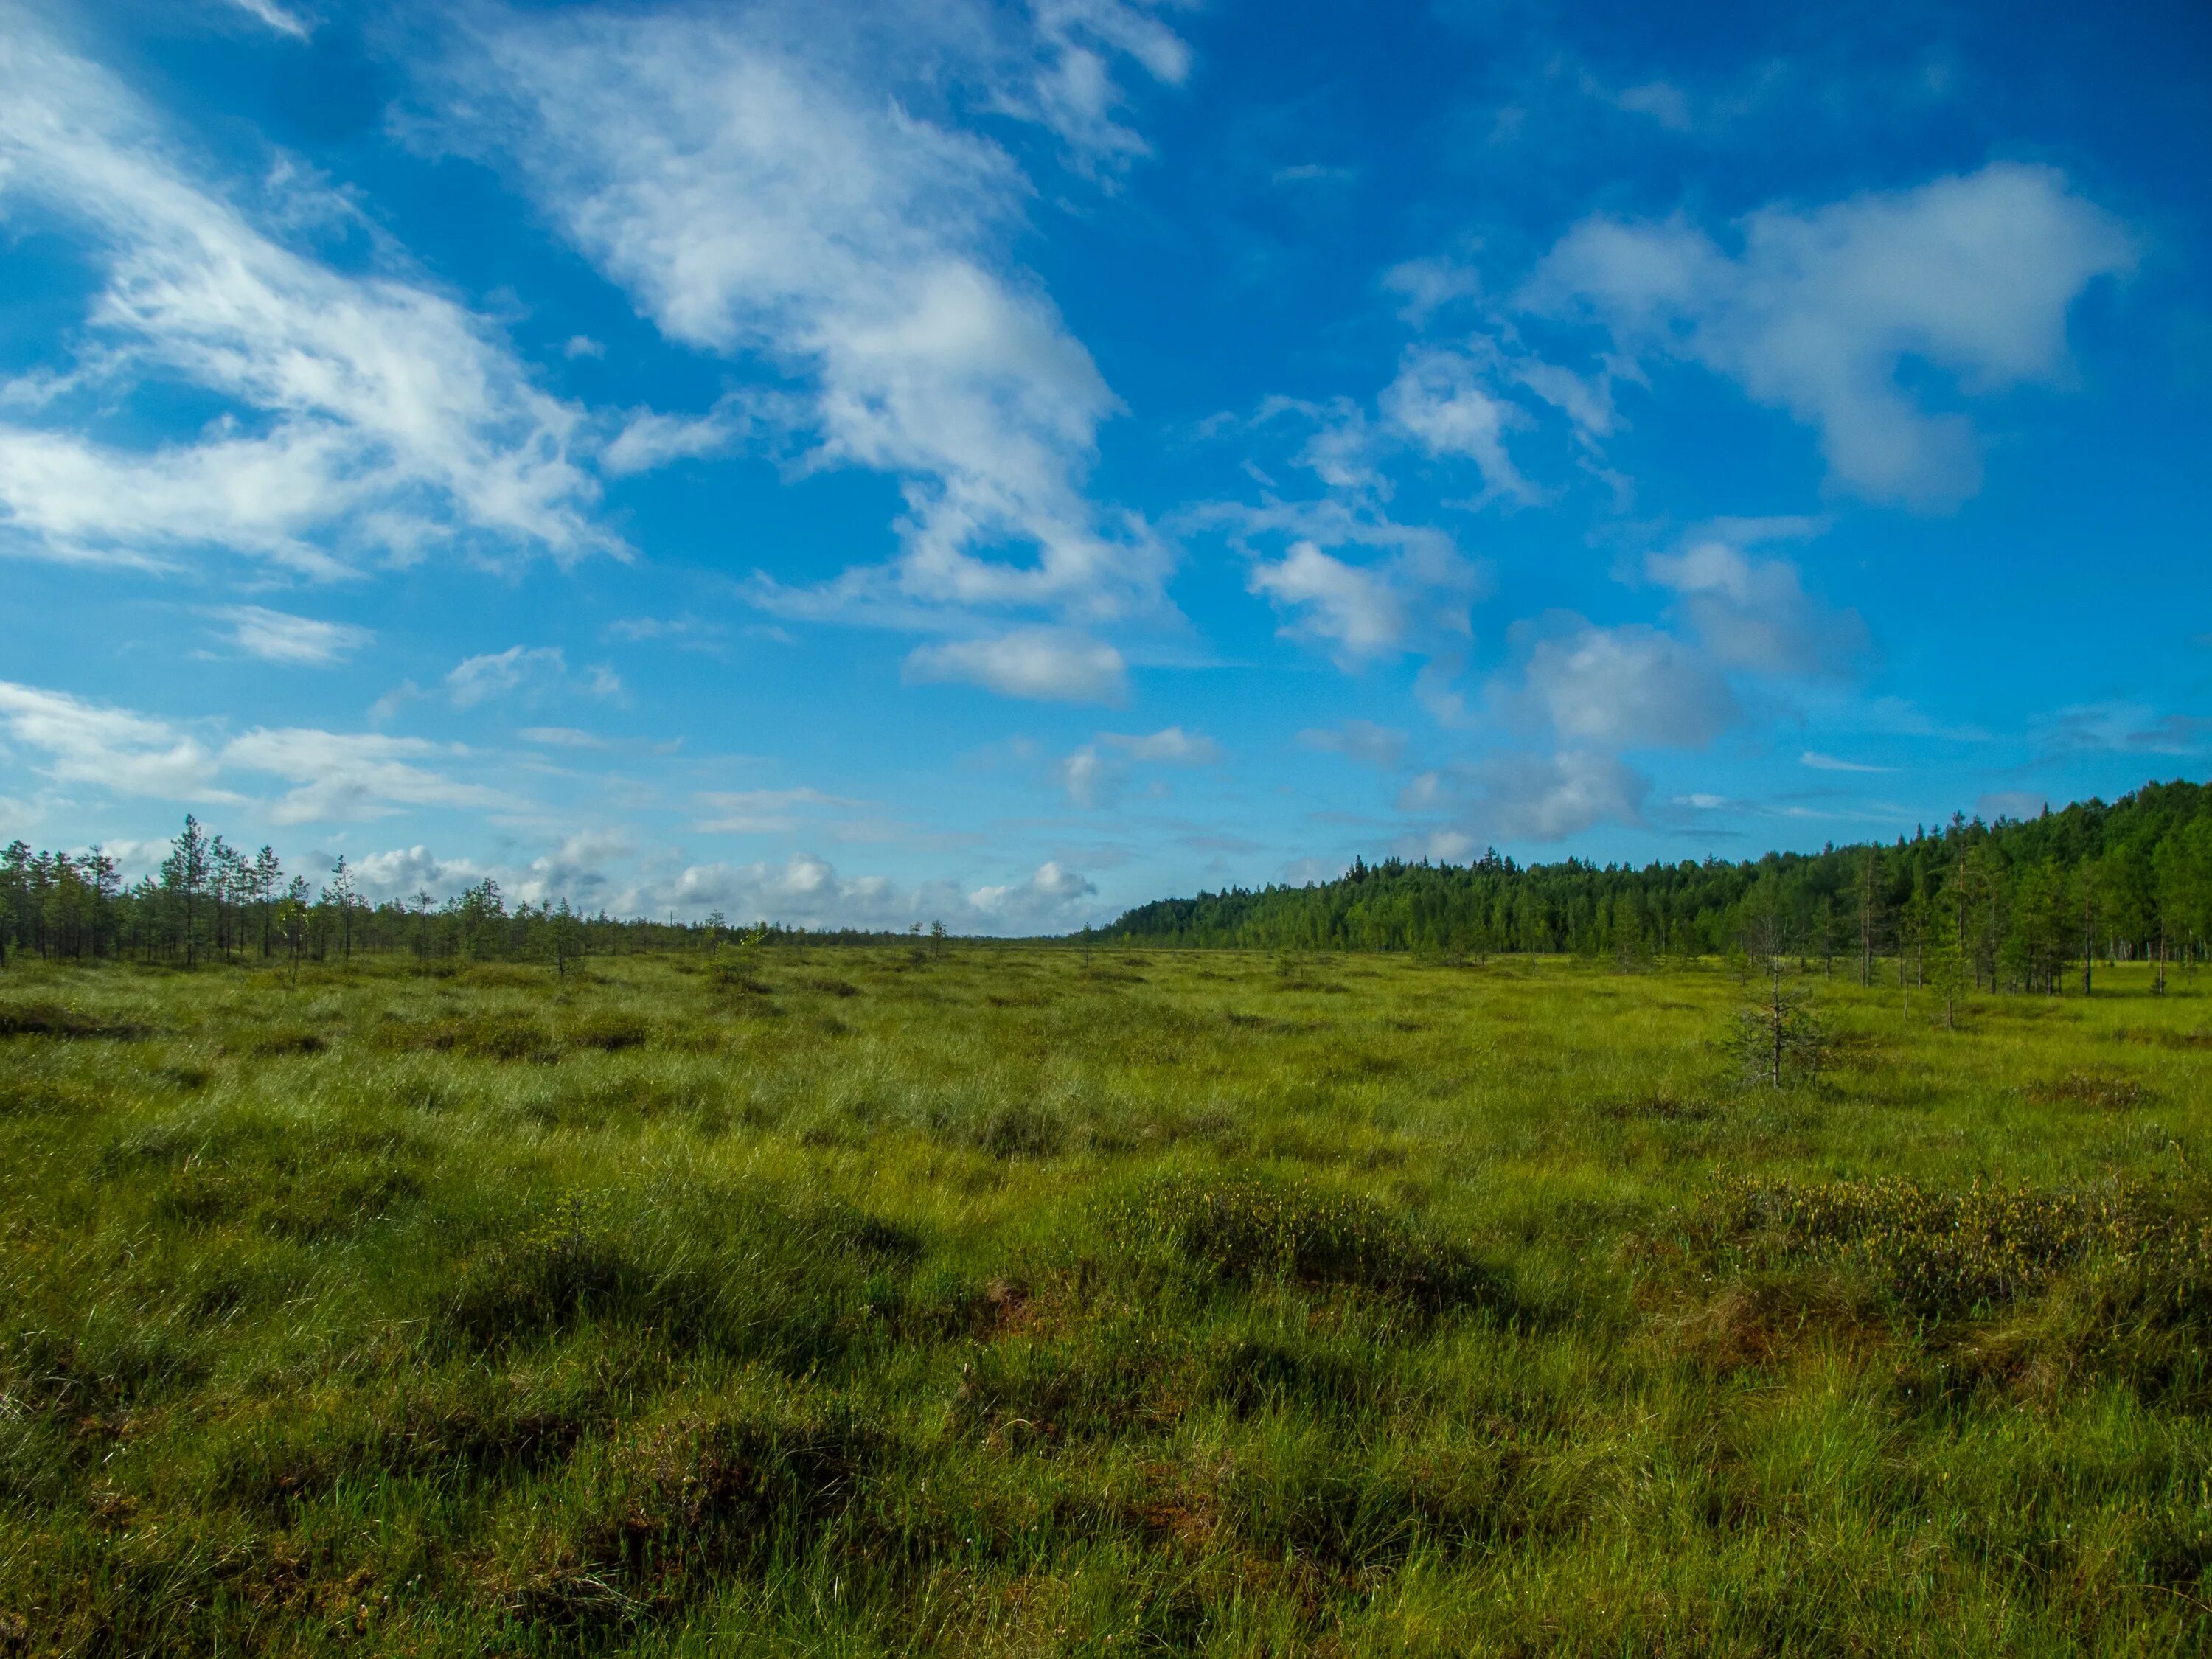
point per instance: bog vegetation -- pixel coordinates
(656, 1290)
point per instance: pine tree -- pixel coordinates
(185, 876)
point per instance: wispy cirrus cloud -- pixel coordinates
(279, 637)
(333, 776)
(801, 194)
(374, 416)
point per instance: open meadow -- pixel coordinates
(1005, 1300)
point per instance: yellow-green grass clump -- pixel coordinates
(1022, 1300)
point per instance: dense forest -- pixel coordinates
(2016, 905)
(210, 900)
(2019, 904)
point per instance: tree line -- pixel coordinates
(210, 900)
(2017, 904)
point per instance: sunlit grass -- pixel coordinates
(1003, 1301)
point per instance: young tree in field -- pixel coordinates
(564, 936)
(2088, 904)
(1869, 917)
(227, 889)
(184, 878)
(1777, 1034)
(1948, 968)
(1912, 923)
(268, 882)
(292, 922)
(342, 899)
(422, 902)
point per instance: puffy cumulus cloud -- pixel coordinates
(1358, 611)
(301, 641)
(1370, 745)
(1754, 613)
(1516, 796)
(1347, 576)
(334, 776)
(782, 183)
(1629, 687)
(1052, 899)
(1048, 665)
(807, 891)
(1096, 774)
(379, 416)
(402, 872)
(1818, 315)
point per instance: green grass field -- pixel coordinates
(996, 1303)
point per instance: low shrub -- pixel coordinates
(1939, 1251)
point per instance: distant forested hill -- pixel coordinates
(2018, 900)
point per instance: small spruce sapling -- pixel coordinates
(1777, 1034)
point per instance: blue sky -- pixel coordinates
(1003, 463)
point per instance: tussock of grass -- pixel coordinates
(1246, 1228)
(983, 1301)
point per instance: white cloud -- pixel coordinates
(1822, 310)
(1517, 796)
(384, 417)
(1380, 747)
(478, 679)
(284, 22)
(1356, 609)
(767, 186)
(1821, 762)
(764, 812)
(1754, 613)
(276, 636)
(1662, 101)
(1051, 899)
(1050, 664)
(334, 775)
(1439, 399)
(563, 737)
(112, 748)
(1172, 746)
(808, 890)
(1426, 285)
(1094, 775)
(402, 872)
(1627, 687)
(353, 776)
(1349, 577)
(647, 440)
